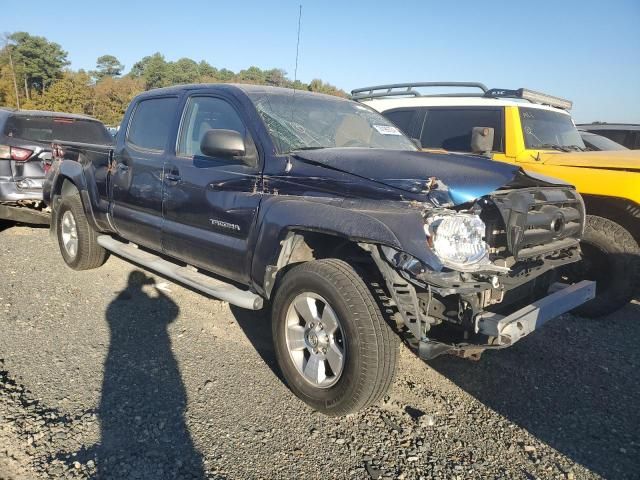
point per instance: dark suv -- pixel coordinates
(626, 134)
(25, 150)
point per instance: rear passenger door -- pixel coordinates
(137, 171)
(211, 202)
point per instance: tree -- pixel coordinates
(107, 66)
(38, 61)
(73, 93)
(154, 70)
(184, 70)
(318, 85)
(112, 96)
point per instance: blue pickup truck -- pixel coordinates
(323, 210)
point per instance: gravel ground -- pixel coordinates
(116, 373)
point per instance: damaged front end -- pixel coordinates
(496, 277)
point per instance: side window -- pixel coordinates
(618, 136)
(450, 128)
(151, 122)
(203, 114)
(402, 118)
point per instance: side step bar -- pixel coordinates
(204, 283)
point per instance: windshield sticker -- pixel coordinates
(387, 130)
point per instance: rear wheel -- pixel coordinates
(334, 348)
(611, 257)
(76, 239)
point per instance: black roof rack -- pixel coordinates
(408, 89)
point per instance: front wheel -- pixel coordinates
(611, 257)
(334, 348)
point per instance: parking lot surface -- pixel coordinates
(118, 373)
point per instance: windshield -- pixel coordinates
(301, 121)
(45, 129)
(544, 129)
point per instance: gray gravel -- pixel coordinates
(115, 373)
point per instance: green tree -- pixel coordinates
(319, 86)
(107, 66)
(154, 71)
(251, 75)
(184, 70)
(38, 61)
(73, 93)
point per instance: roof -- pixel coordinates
(244, 87)
(609, 126)
(46, 113)
(383, 104)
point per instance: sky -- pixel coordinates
(586, 51)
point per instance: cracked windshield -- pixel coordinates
(299, 121)
(545, 129)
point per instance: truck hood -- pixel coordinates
(612, 160)
(466, 176)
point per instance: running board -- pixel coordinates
(204, 283)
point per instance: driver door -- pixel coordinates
(211, 203)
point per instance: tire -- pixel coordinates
(369, 346)
(611, 257)
(72, 224)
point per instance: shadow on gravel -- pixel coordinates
(143, 429)
(573, 385)
(256, 325)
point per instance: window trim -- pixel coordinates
(133, 116)
(185, 108)
(500, 111)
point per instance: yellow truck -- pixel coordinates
(535, 131)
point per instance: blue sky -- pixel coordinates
(587, 51)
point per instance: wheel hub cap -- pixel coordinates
(315, 340)
(69, 234)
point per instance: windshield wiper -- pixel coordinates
(577, 148)
(554, 146)
(306, 148)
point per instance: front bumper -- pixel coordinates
(507, 330)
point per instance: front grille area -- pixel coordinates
(534, 222)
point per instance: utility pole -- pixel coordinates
(13, 71)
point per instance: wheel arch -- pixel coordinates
(624, 212)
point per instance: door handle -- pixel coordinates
(172, 177)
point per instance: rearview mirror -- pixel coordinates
(222, 143)
(482, 140)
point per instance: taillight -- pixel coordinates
(20, 154)
(14, 153)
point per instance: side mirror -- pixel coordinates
(482, 140)
(222, 143)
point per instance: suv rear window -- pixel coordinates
(45, 129)
(450, 128)
(151, 123)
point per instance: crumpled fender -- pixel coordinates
(399, 226)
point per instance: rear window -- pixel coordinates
(46, 129)
(450, 128)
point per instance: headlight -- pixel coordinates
(457, 238)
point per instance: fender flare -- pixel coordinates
(71, 171)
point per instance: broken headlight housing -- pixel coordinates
(457, 238)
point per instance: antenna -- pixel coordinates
(295, 72)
